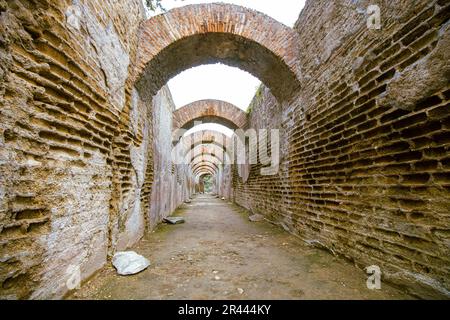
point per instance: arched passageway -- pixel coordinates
(220, 254)
(92, 159)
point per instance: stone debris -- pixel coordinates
(256, 218)
(129, 262)
(86, 132)
(174, 220)
(240, 290)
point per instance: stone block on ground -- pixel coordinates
(129, 262)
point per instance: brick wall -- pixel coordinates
(365, 145)
(205, 111)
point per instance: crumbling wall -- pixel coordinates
(366, 171)
(63, 72)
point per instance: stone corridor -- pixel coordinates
(219, 254)
(345, 147)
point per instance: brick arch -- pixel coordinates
(207, 149)
(201, 138)
(205, 159)
(208, 145)
(210, 33)
(195, 156)
(215, 111)
(202, 173)
(186, 143)
(204, 170)
(205, 136)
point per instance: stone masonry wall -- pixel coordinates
(205, 111)
(63, 72)
(365, 150)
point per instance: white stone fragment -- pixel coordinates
(174, 220)
(129, 262)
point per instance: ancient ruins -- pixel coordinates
(88, 127)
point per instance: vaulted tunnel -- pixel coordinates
(94, 155)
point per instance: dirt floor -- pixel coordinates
(219, 254)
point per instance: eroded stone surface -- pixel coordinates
(129, 263)
(256, 218)
(205, 111)
(174, 220)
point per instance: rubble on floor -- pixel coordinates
(174, 220)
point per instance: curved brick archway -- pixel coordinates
(204, 137)
(202, 173)
(216, 111)
(86, 169)
(205, 157)
(207, 164)
(202, 141)
(204, 168)
(215, 161)
(210, 33)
